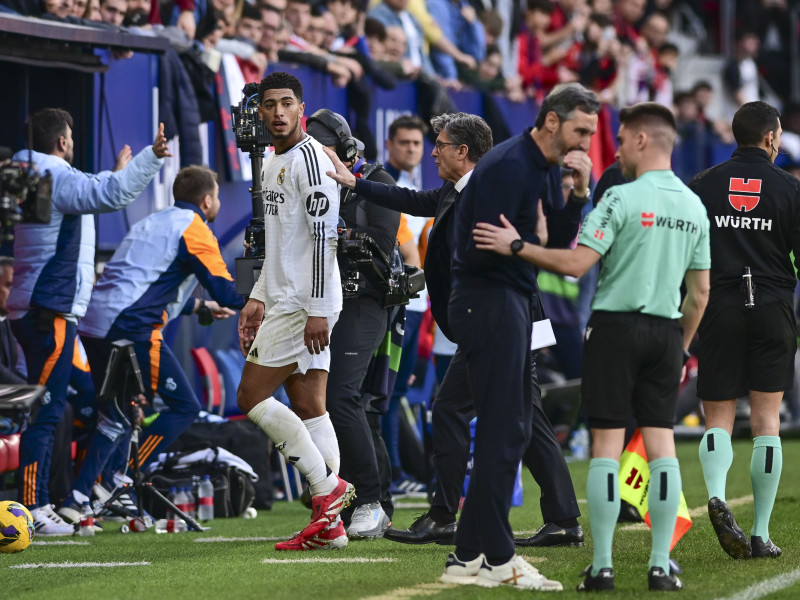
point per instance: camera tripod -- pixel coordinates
(123, 374)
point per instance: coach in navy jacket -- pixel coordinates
(462, 139)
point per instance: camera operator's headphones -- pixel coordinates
(346, 147)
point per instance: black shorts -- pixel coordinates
(746, 349)
(632, 362)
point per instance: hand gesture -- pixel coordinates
(581, 164)
(123, 158)
(160, 148)
(343, 176)
(217, 311)
(494, 238)
(249, 321)
(316, 334)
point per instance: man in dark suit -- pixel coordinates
(8, 345)
(462, 139)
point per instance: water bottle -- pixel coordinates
(205, 499)
(171, 526)
(181, 501)
(191, 505)
(86, 526)
(172, 496)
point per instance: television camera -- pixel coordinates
(24, 194)
(251, 137)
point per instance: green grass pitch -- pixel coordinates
(181, 567)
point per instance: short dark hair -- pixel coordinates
(467, 129)
(374, 28)
(280, 80)
(47, 125)
(545, 6)
(669, 47)
(193, 183)
(702, 85)
(565, 99)
(647, 114)
(251, 12)
(753, 121)
(407, 122)
(6, 261)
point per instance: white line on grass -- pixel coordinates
(766, 587)
(421, 589)
(72, 565)
(420, 504)
(242, 539)
(60, 543)
(355, 559)
(693, 512)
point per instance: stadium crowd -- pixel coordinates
(587, 63)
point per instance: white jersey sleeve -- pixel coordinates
(320, 195)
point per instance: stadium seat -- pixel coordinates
(212, 382)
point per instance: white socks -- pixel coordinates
(293, 440)
(324, 438)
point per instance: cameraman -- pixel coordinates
(360, 329)
(54, 272)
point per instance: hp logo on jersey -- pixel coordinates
(317, 204)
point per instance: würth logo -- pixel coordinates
(647, 219)
(739, 201)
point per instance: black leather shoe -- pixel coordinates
(424, 531)
(730, 535)
(551, 534)
(659, 581)
(602, 582)
(762, 549)
(628, 513)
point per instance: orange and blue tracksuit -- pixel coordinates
(53, 276)
(147, 283)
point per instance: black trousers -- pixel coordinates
(452, 412)
(492, 326)
(356, 336)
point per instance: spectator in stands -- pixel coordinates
(323, 30)
(459, 23)
(271, 23)
(54, 274)
(78, 8)
(627, 14)
(113, 11)
(375, 34)
(534, 69)
(146, 284)
(567, 24)
(138, 14)
(298, 13)
(740, 74)
(489, 74)
(9, 374)
(58, 8)
(244, 45)
(395, 13)
(594, 59)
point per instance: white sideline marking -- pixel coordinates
(423, 505)
(242, 539)
(421, 589)
(72, 565)
(766, 587)
(355, 559)
(693, 512)
(61, 543)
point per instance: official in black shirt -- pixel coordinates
(493, 304)
(747, 336)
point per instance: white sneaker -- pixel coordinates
(460, 572)
(369, 521)
(517, 573)
(46, 522)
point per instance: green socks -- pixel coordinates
(765, 473)
(663, 499)
(716, 457)
(602, 494)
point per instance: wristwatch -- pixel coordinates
(517, 246)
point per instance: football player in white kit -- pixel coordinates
(285, 328)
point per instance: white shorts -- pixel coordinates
(280, 342)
